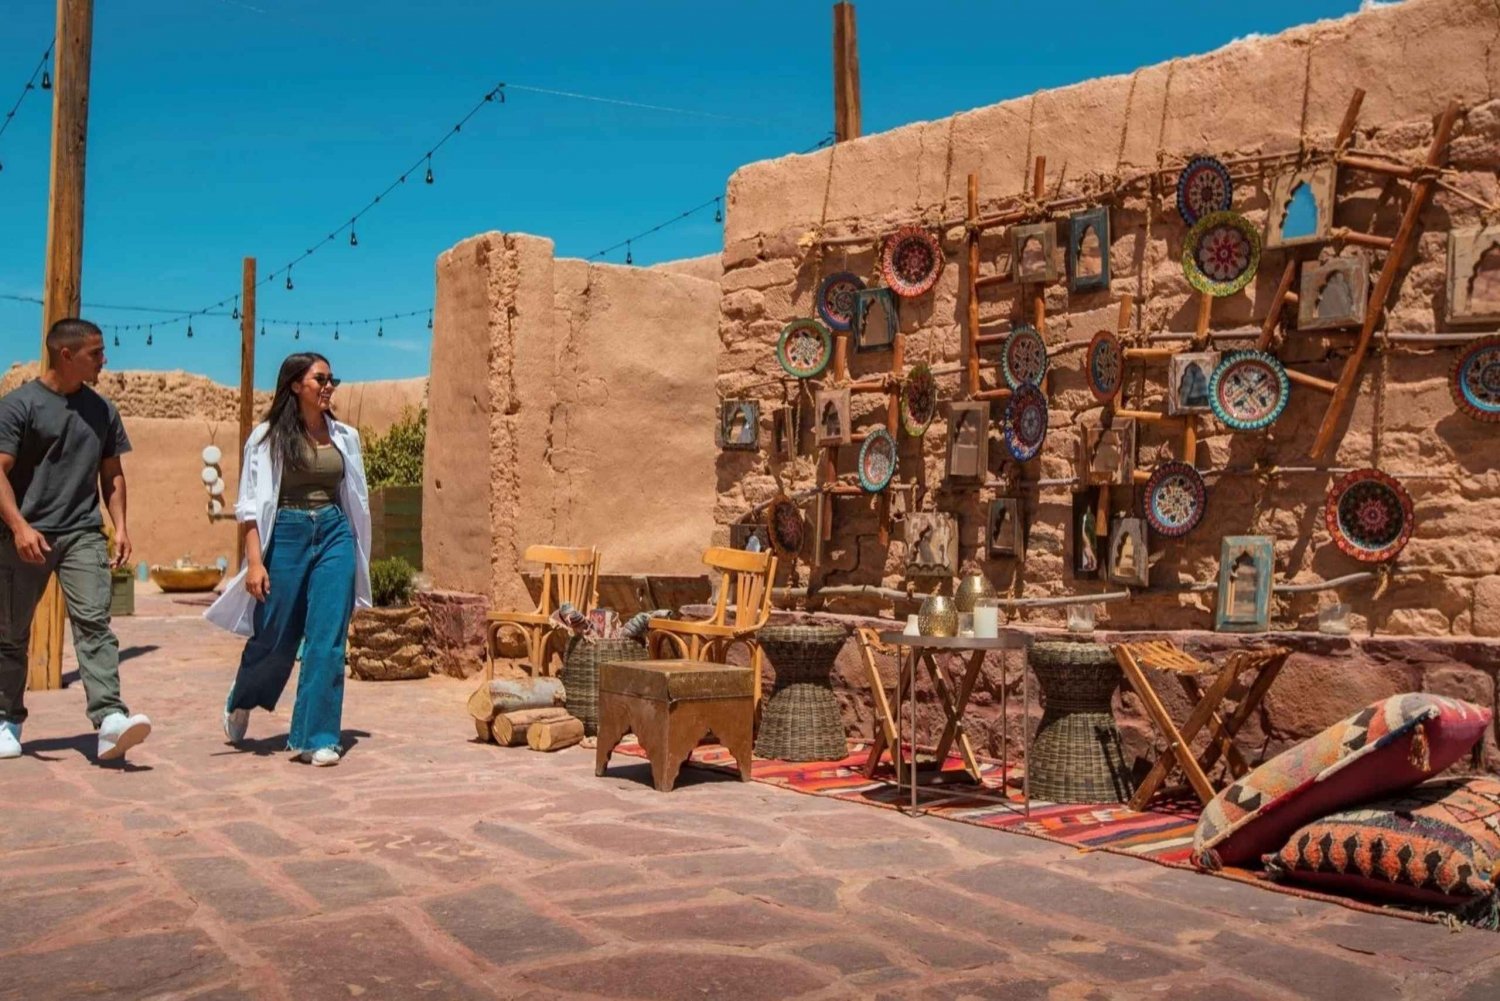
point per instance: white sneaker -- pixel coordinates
(10, 740)
(236, 723)
(322, 757)
(118, 734)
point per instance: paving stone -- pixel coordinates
(1427, 944)
(590, 878)
(21, 881)
(715, 865)
(229, 887)
(39, 917)
(745, 922)
(845, 955)
(88, 852)
(427, 850)
(882, 856)
(541, 846)
(1484, 987)
(120, 969)
(502, 928)
(664, 975)
(258, 839)
(734, 826)
(1001, 987)
(622, 839)
(812, 893)
(946, 950)
(1229, 897)
(336, 883)
(594, 903)
(1314, 974)
(151, 914)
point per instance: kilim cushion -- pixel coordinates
(1381, 749)
(1436, 844)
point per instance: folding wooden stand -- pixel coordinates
(886, 736)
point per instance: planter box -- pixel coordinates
(121, 595)
(388, 644)
(396, 524)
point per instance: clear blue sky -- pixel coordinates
(221, 128)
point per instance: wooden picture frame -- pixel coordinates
(931, 545)
(1333, 294)
(831, 426)
(1302, 198)
(1246, 564)
(740, 536)
(1033, 253)
(968, 440)
(1085, 272)
(1106, 455)
(877, 319)
(739, 425)
(1005, 533)
(784, 434)
(1128, 553)
(1474, 274)
(1188, 375)
(1087, 560)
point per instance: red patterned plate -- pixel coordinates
(1026, 422)
(911, 260)
(1175, 499)
(1023, 357)
(1104, 365)
(1369, 515)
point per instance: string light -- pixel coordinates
(262, 328)
(381, 331)
(628, 258)
(353, 237)
(117, 340)
(288, 277)
(190, 328)
(429, 166)
(30, 86)
(429, 319)
(718, 210)
(46, 80)
(236, 314)
(148, 337)
(298, 335)
(335, 333)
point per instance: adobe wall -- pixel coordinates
(1258, 96)
(571, 404)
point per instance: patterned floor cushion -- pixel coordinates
(1436, 844)
(1382, 749)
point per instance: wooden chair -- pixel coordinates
(886, 735)
(1243, 680)
(569, 576)
(743, 605)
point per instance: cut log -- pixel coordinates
(554, 734)
(510, 729)
(509, 695)
(482, 728)
(481, 706)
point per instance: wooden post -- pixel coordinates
(247, 376)
(63, 292)
(972, 233)
(846, 123)
(1039, 291)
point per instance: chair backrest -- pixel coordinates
(568, 576)
(745, 581)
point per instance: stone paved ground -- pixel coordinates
(430, 866)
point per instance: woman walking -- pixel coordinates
(305, 511)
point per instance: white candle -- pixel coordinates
(912, 627)
(986, 621)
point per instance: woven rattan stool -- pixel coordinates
(1076, 756)
(580, 674)
(800, 720)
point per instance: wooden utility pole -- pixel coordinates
(63, 293)
(845, 74)
(247, 375)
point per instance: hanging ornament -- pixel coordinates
(288, 279)
(190, 328)
(718, 210)
(629, 258)
(353, 236)
(429, 168)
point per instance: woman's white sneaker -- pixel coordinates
(10, 740)
(236, 723)
(322, 757)
(118, 733)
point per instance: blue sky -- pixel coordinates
(221, 128)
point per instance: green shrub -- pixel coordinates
(391, 582)
(394, 459)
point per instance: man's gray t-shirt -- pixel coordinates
(58, 442)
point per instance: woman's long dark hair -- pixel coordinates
(285, 418)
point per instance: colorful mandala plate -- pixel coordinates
(836, 299)
(805, 348)
(919, 401)
(1104, 365)
(1025, 422)
(877, 460)
(911, 260)
(1248, 390)
(1369, 515)
(1023, 357)
(785, 526)
(1175, 499)
(1203, 188)
(1476, 380)
(1221, 253)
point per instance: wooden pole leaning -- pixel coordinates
(247, 377)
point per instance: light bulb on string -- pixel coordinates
(718, 210)
(353, 236)
(148, 337)
(629, 258)
(298, 335)
(46, 78)
(380, 332)
(262, 328)
(429, 319)
(190, 327)
(429, 168)
(117, 339)
(236, 314)
(335, 332)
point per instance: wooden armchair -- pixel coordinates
(745, 584)
(569, 576)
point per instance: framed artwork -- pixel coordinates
(1188, 375)
(754, 538)
(1474, 275)
(1005, 534)
(1088, 250)
(1301, 208)
(832, 424)
(931, 545)
(876, 319)
(1245, 566)
(1333, 294)
(968, 440)
(784, 433)
(739, 425)
(1087, 545)
(1107, 455)
(1034, 253)
(1127, 553)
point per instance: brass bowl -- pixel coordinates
(970, 590)
(186, 578)
(937, 617)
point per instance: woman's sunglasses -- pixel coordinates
(325, 380)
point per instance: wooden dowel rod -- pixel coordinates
(987, 281)
(1310, 381)
(1149, 354)
(1150, 416)
(1141, 475)
(972, 237)
(1126, 302)
(984, 339)
(1403, 170)
(1359, 239)
(1101, 514)
(1273, 315)
(1001, 393)
(868, 387)
(898, 355)
(1351, 115)
(1190, 441)
(1205, 313)
(1000, 219)
(840, 356)
(1039, 178)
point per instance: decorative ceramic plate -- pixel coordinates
(1025, 422)
(1104, 365)
(1023, 357)
(1369, 515)
(1476, 380)
(911, 260)
(836, 299)
(1203, 188)
(1248, 390)
(1221, 253)
(919, 400)
(1175, 499)
(877, 460)
(785, 526)
(805, 348)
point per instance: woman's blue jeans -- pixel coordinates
(311, 563)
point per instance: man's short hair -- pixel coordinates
(71, 333)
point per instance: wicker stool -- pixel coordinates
(1076, 756)
(580, 674)
(800, 720)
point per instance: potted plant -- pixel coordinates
(393, 466)
(389, 642)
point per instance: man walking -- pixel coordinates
(60, 447)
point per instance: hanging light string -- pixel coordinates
(41, 69)
(178, 315)
(621, 102)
